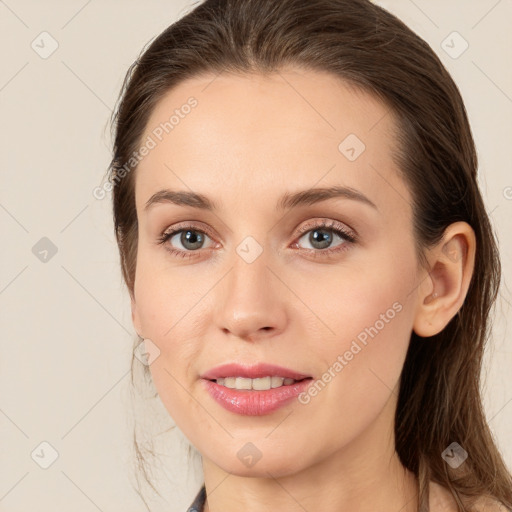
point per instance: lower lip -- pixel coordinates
(252, 402)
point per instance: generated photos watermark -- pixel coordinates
(343, 359)
(152, 140)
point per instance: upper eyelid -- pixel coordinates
(326, 223)
(177, 229)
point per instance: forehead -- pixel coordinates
(285, 130)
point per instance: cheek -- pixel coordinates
(366, 321)
(362, 302)
(170, 307)
(165, 296)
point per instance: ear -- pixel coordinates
(443, 290)
(135, 315)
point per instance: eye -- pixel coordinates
(191, 239)
(321, 236)
(321, 233)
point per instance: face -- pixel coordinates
(321, 287)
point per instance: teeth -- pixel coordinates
(241, 383)
(277, 382)
(259, 384)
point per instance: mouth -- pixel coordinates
(257, 384)
(256, 389)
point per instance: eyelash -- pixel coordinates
(349, 237)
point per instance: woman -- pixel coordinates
(309, 259)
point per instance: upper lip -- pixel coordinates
(251, 371)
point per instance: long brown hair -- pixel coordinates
(366, 46)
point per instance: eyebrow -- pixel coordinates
(287, 201)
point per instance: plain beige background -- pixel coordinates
(65, 322)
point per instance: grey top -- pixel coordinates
(198, 503)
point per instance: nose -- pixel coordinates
(250, 304)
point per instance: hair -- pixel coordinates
(371, 50)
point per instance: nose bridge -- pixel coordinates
(248, 304)
(249, 280)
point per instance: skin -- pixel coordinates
(249, 140)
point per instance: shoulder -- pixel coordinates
(442, 500)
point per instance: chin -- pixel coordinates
(276, 466)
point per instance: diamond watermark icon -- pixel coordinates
(44, 45)
(44, 455)
(146, 352)
(454, 45)
(454, 455)
(452, 251)
(249, 249)
(44, 249)
(249, 454)
(351, 147)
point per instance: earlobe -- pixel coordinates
(444, 289)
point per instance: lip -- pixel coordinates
(253, 402)
(251, 371)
